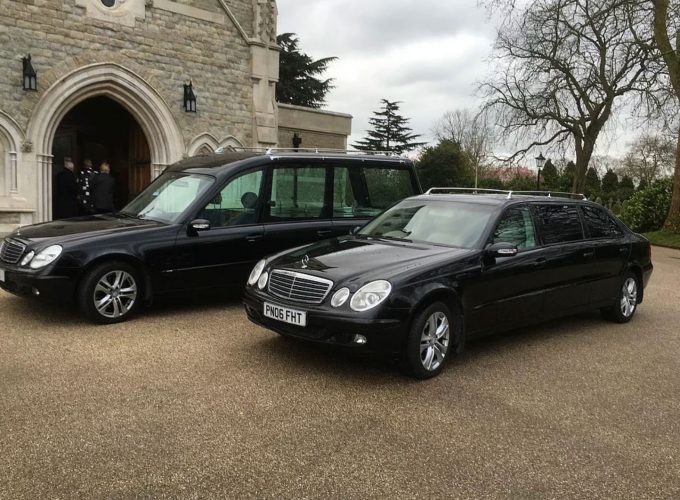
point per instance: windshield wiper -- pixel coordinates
(394, 238)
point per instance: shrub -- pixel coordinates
(646, 210)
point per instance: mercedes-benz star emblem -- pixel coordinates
(304, 261)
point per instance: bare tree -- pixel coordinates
(666, 21)
(472, 133)
(649, 157)
(561, 67)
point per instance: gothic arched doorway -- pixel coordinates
(100, 129)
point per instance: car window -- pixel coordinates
(237, 203)
(600, 224)
(365, 192)
(516, 227)
(168, 196)
(297, 193)
(558, 223)
(436, 222)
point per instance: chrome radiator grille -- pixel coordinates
(298, 287)
(12, 251)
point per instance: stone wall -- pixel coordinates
(140, 53)
(316, 127)
(165, 47)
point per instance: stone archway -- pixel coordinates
(118, 83)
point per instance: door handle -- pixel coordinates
(539, 262)
(623, 250)
(324, 232)
(253, 237)
(588, 254)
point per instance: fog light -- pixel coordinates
(340, 297)
(36, 292)
(359, 339)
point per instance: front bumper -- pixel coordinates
(53, 288)
(384, 334)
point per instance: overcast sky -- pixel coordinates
(430, 54)
(426, 53)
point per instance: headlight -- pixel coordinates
(27, 258)
(46, 256)
(262, 282)
(340, 297)
(369, 296)
(256, 272)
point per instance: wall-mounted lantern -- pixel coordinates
(189, 98)
(30, 81)
(297, 140)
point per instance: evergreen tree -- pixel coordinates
(593, 185)
(298, 82)
(445, 165)
(567, 177)
(390, 131)
(626, 188)
(610, 184)
(550, 177)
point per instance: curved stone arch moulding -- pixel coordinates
(124, 86)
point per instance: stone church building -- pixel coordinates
(141, 84)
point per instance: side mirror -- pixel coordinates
(354, 230)
(198, 225)
(502, 250)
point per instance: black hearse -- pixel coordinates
(201, 225)
(438, 268)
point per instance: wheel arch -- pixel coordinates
(446, 294)
(121, 257)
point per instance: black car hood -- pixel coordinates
(71, 230)
(351, 259)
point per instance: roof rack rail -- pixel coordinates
(508, 193)
(550, 194)
(275, 150)
(331, 151)
(449, 190)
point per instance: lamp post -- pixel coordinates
(540, 163)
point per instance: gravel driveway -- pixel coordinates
(196, 402)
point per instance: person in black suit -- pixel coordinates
(65, 192)
(103, 190)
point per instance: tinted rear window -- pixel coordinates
(558, 223)
(600, 224)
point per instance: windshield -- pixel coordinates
(447, 223)
(168, 197)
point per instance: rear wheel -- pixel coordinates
(626, 303)
(431, 341)
(110, 293)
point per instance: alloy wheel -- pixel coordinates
(629, 294)
(115, 294)
(434, 341)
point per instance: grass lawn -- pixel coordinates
(664, 239)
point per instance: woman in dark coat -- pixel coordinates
(65, 192)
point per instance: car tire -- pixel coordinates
(110, 293)
(431, 341)
(623, 310)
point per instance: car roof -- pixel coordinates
(496, 198)
(218, 163)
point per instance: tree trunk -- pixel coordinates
(584, 151)
(673, 220)
(672, 60)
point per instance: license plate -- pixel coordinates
(2, 275)
(285, 315)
